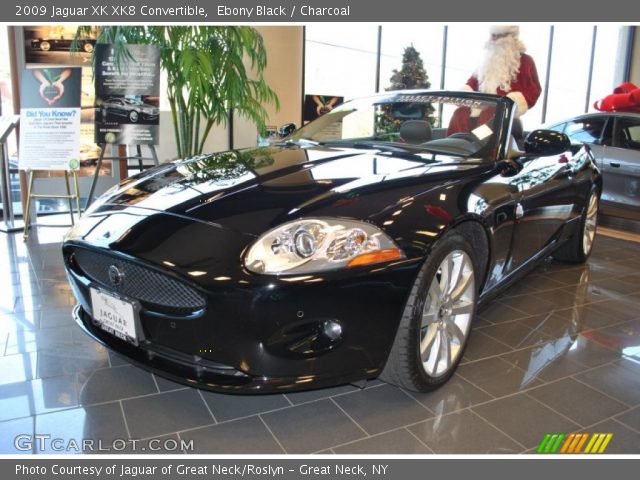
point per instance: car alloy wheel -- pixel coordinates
(447, 313)
(133, 116)
(88, 47)
(435, 325)
(590, 224)
(45, 46)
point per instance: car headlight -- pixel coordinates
(318, 244)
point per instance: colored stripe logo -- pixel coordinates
(574, 443)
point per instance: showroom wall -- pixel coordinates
(284, 75)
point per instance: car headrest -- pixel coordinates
(415, 131)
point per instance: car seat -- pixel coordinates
(415, 131)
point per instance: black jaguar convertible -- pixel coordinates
(358, 247)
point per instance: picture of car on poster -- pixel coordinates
(128, 110)
(53, 45)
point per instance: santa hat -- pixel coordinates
(504, 30)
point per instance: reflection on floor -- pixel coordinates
(558, 352)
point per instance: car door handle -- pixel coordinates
(615, 164)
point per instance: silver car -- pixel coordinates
(615, 141)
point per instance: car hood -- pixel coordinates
(251, 190)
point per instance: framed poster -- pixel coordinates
(50, 119)
(127, 95)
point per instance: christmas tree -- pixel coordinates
(411, 75)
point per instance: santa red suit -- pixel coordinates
(504, 70)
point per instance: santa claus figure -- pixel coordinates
(506, 70)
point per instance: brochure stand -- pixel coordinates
(8, 124)
(138, 157)
(69, 196)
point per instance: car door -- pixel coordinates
(621, 169)
(547, 198)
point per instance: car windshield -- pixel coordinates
(133, 101)
(459, 125)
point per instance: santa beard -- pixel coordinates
(500, 65)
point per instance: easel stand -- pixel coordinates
(69, 196)
(138, 157)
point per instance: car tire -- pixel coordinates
(578, 248)
(430, 326)
(88, 47)
(45, 46)
(134, 116)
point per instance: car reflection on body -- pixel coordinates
(358, 247)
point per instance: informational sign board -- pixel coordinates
(127, 95)
(50, 119)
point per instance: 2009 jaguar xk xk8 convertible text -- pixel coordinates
(358, 247)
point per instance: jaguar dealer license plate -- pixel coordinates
(114, 315)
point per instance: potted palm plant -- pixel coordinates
(210, 70)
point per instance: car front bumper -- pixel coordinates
(261, 338)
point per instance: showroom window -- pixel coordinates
(577, 64)
(427, 39)
(341, 61)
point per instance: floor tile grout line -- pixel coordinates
(272, 434)
(491, 424)
(155, 381)
(350, 417)
(381, 433)
(287, 399)
(206, 405)
(615, 417)
(419, 440)
(494, 398)
(124, 417)
(622, 423)
(598, 389)
(369, 437)
(429, 411)
(575, 422)
(572, 377)
(499, 355)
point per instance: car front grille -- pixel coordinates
(155, 290)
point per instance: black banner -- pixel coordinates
(249, 11)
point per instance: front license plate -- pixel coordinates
(114, 315)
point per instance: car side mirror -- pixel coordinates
(546, 142)
(287, 129)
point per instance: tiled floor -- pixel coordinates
(558, 352)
